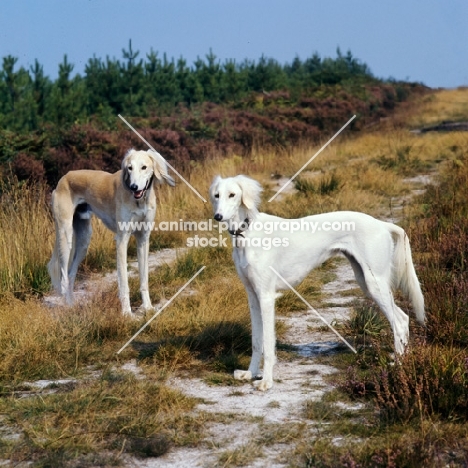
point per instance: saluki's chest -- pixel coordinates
(244, 262)
(139, 211)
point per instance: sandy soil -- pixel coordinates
(95, 283)
(298, 379)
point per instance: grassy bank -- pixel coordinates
(412, 414)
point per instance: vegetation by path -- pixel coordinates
(411, 414)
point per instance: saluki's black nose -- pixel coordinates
(134, 187)
(218, 217)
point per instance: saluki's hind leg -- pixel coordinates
(380, 291)
(358, 273)
(82, 230)
(62, 210)
(65, 243)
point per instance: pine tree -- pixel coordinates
(233, 82)
(132, 82)
(40, 86)
(67, 103)
(11, 82)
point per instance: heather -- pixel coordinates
(187, 112)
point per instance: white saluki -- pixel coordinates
(379, 254)
(117, 199)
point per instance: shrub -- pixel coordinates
(427, 381)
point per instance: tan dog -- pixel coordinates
(117, 199)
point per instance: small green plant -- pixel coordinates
(402, 161)
(325, 186)
(367, 321)
(320, 410)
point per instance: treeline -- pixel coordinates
(48, 127)
(141, 86)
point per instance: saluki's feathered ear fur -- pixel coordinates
(124, 166)
(124, 160)
(251, 191)
(160, 168)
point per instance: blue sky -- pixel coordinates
(423, 41)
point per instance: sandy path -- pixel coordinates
(95, 283)
(297, 380)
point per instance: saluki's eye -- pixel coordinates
(143, 168)
(216, 195)
(130, 168)
(231, 195)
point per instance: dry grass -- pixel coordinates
(37, 343)
(101, 253)
(25, 239)
(113, 415)
(206, 331)
(445, 105)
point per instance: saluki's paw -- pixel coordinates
(263, 385)
(394, 359)
(130, 315)
(139, 313)
(144, 309)
(242, 375)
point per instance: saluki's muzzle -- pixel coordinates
(138, 194)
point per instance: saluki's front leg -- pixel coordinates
(267, 307)
(257, 338)
(142, 239)
(122, 239)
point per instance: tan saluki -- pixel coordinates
(119, 200)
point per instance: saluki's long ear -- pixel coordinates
(124, 160)
(214, 187)
(251, 191)
(160, 168)
(124, 166)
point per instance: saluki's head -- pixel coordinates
(235, 198)
(139, 168)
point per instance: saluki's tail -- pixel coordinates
(404, 275)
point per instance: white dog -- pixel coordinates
(379, 254)
(126, 196)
